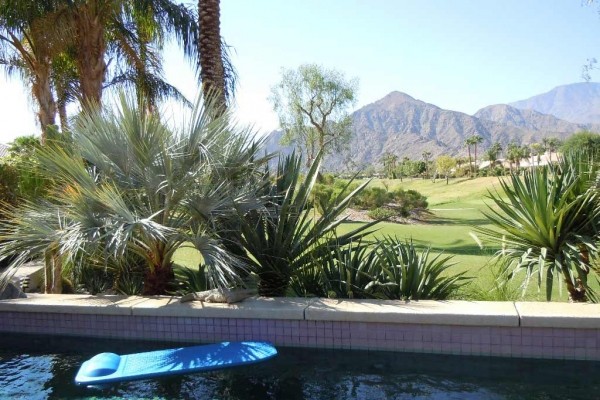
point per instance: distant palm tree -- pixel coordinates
(389, 163)
(475, 140)
(426, 158)
(515, 154)
(468, 143)
(553, 145)
(537, 149)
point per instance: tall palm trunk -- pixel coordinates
(91, 47)
(53, 271)
(212, 71)
(470, 164)
(62, 114)
(37, 63)
(42, 92)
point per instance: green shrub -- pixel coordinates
(382, 213)
(372, 198)
(499, 171)
(410, 199)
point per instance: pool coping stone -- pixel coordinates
(453, 312)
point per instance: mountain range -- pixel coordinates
(405, 126)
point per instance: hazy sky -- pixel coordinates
(460, 54)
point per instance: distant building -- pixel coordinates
(3, 150)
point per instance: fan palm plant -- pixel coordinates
(283, 237)
(550, 221)
(132, 186)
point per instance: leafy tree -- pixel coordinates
(582, 141)
(444, 165)
(312, 104)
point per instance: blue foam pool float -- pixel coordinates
(109, 367)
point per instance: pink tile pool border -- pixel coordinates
(555, 343)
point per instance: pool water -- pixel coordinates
(41, 367)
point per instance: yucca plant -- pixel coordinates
(132, 185)
(549, 220)
(407, 274)
(284, 236)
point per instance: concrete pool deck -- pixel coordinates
(507, 329)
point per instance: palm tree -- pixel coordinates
(515, 154)
(426, 159)
(553, 144)
(389, 163)
(216, 72)
(27, 50)
(142, 66)
(92, 22)
(469, 142)
(474, 141)
(62, 46)
(496, 148)
(134, 188)
(537, 149)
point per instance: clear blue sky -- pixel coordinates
(460, 54)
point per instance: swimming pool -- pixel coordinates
(43, 367)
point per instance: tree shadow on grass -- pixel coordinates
(457, 249)
(457, 221)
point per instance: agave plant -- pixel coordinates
(284, 237)
(132, 185)
(343, 273)
(407, 274)
(549, 220)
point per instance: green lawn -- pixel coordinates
(456, 209)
